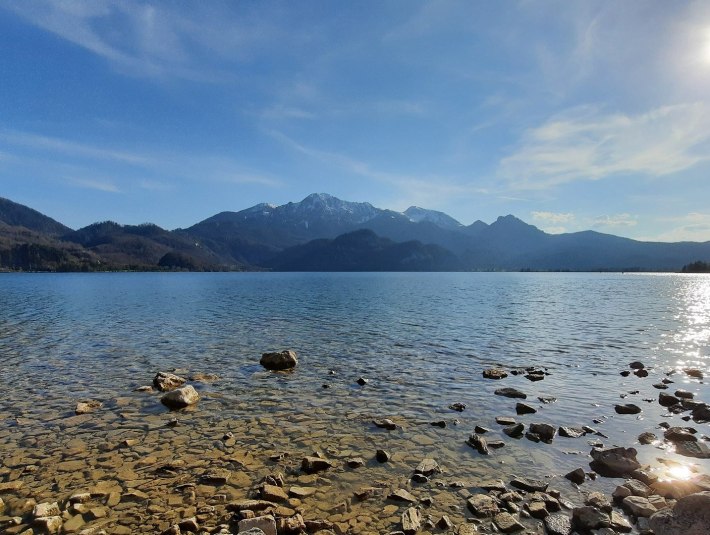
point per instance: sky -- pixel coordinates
(569, 115)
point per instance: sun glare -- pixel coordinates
(679, 472)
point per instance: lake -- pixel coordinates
(420, 339)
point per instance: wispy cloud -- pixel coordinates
(694, 226)
(616, 220)
(584, 144)
(552, 217)
(99, 185)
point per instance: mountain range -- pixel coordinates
(324, 233)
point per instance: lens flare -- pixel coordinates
(679, 472)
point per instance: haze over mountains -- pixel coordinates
(323, 233)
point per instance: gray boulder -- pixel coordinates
(280, 360)
(181, 398)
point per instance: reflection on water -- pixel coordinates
(422, 340)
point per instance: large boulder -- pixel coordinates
(614, 462)
(280, 360)
(165, 381)
(181, 398)
(689, 516)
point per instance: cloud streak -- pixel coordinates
(583, 144)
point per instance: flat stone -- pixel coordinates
(510, 393)
(628, 408)
(495, 373)
(598, 500)
(514, 431)
(355, 462)
(49, 524)
(265, 523)
(638, 506)
(165, 381)
(428, 467)
(302, 492)
(524, 408)
(638, 488)
(531, 485)
(411, 521)
(619, 523)
(614, 462)
(73, 524)
(571, 432)
(537, 510)
(46, 509)
(558, 524)
(311, 465)
(507, 523)
(684, 394)
(546, 432)
(87, 406)
(505, 420)
(273, 493)
(385, 423)
(483, 505)
(401, 495)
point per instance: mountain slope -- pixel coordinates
(18, 215)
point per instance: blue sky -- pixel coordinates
(570, 115)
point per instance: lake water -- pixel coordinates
(421, 340)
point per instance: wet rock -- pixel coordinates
(200, 377)
(420, 478)
(457, 407)
(483, 505)
(571, 432)
(546, 432)
(411, 521)
(684, 394)
(558, 524)
(382, 456)
(679, 434)
(311, 464)
(428, 467)
(510, 393)
(479, 443)
(514, 431)
(666, 400)
(693, 372)
(638, 488)
(637, 365)
(439, 423)
(165, 381)
(523, 408)
(701, 414)
(355, 462)
(181, 397)
(362, 381)
(576, 476)
(265, 523)
(531, 485)
(507, 523)
(698, 450)
(660, 386)
(625, 373)
(628, 408)
(587, 518)
(641, 373)
(598, 500)
(385, 423)
(614, 462)
(279, 360)
(619, 524)
(537, 509)
(504, 420)
(495, 373)
(638, 506)
(689, 516)
(547, 399)
(402, 495)
(647, 438)
(215, 477)
(87, 406)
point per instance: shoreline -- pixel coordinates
(122, 469)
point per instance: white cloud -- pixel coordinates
(99, 185)
(584, 144)
(553, 217)
(694, 226)
(617, 220)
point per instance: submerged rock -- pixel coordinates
(510, 393)
(628, 408)
(546, 432)
(411, 521)
(571, 432)
(495, 373)
(459, 407)
(483, 505)
(614, 462)
(87, 406)
(428, 467)
(479, 443)
(311, 465)
(576, 476)
(181, 398)
(514, 431)
(385, 423)
(280, 360)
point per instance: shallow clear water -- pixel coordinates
(421, 339)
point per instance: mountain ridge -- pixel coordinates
(267, 236)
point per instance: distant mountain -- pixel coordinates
(322, 232)
(363, 250)
(18, 215)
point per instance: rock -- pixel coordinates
(87, 406)
(401, 495)
(637, 488)
(666, 400)
(302, 492)
(699, 450)
(46, 509)
(647, 438)
(576, 476)
(495, 373)
(599, 501)
(439, 423)
(444, 523)
(355, 462)
(483, 505)
(546, 432)
(547, 399)
(637, 365)
(625, 373)
(536, 375)
(523, 408)
(504, 420)
(420, 478)
(457, 407)
(265, 523)
(558, 524)
(701, 414)
(510, 393)
(200, 377)
(628, 408)
(49, 524)
(689, 516)
(638, 506)
(514, 431)
(588, 518)
(571, 432)
(531, 485)
(537, 509)
(479, 443)
(362, 381)
(679, 434)
(252, 531)
(641, 373)
(619, 523)
(385, 423)
(684, 394)
(181, 397)
(189, 524)
(621, 492)
(506, 523)
(693, 372)
(279, 360)
(411, 521)
(272, 493)
(311, 465)
(614, 462)
(165, 381)
(660, 386)
(382, 456)
(428, 467)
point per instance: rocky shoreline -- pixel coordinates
(164, 473)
